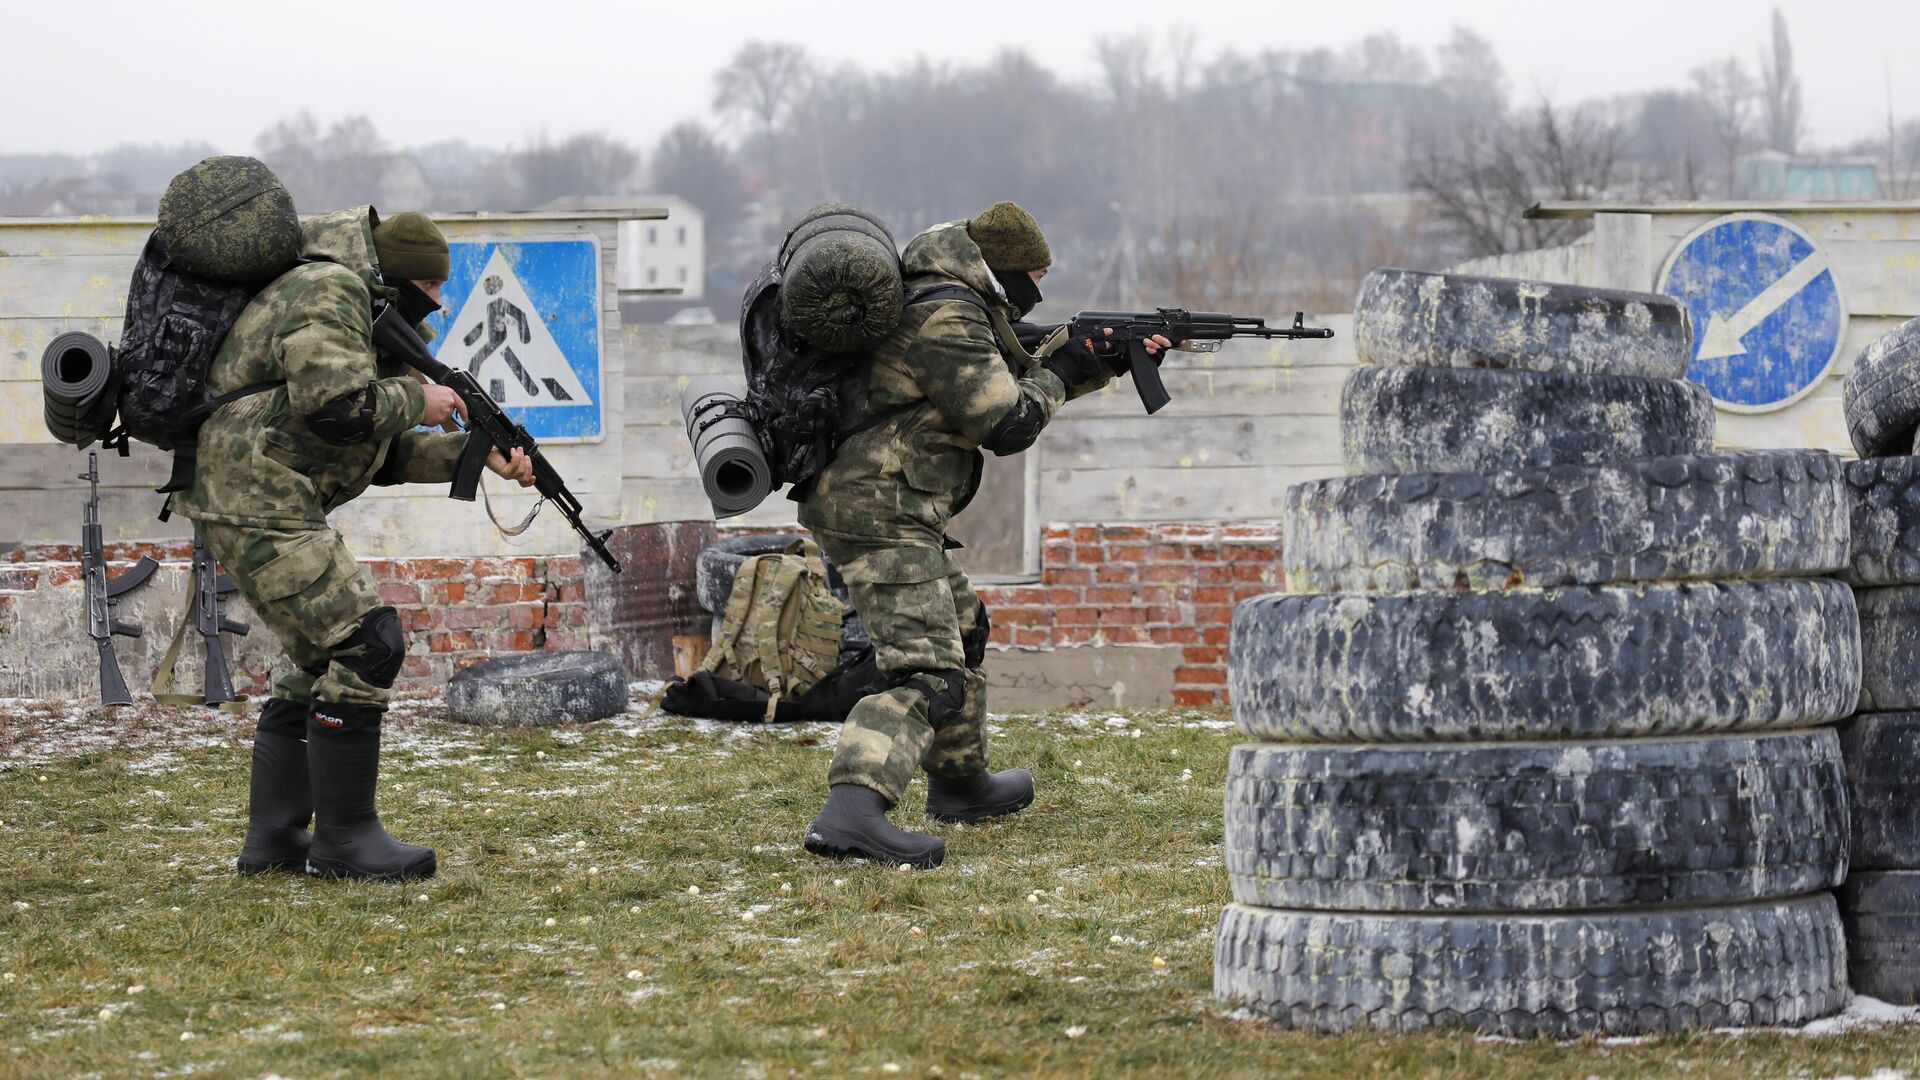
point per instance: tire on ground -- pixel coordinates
(1889, 649)
(720, 561)
(1881, 397)
(1553, 826)
(1414, 420)
(1560, 976)
(1882, 756)
(1884, 505)
(1776, 513)
(539, 689)
(1406, 317)
(1576, 662)
(1882, 915)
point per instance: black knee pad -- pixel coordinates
(945, 691)
(376, 650)
(974, 644)
(332, 718)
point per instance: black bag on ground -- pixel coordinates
(711, 697)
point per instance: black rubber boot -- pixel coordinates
(966, 799)
(343, 752)
(854, 824)
(279, 803)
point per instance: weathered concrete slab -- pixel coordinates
(1104, 677)
(45, 651)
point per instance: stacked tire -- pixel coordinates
(1881, 745)
(1540, 721)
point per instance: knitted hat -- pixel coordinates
(410, 247)
(1010, 238)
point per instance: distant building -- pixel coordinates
(657, 258)
(1774, 175)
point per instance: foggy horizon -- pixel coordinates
(489, 77)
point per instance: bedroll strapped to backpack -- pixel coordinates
(226, 227)
(833, 291)
(781, 629)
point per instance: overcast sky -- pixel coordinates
(87, 74)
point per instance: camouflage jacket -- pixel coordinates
(906, 477)
(259, 464)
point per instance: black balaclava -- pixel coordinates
(415, 304)
(1023, 293)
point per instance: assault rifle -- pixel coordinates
(102, 593)
(209, 589)
(488, 428)
(1192, 331)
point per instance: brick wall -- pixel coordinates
(1170, 585)
(457, 612)
(1164, 584)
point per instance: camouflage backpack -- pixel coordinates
(781, 629)
(226, 227)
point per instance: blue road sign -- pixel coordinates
(1768, 318)
(526, 323)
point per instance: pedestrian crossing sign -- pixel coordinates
(523, 317)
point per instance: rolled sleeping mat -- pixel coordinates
(840, 284)
(733, 468)
(76, 375)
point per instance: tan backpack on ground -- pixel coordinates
(781, 629)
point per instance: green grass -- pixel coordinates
(1032, 952)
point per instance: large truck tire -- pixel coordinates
(1882, 916)
(1881, 395)
(1889, 649)
(1576, 662)
(1526, 976)
(1882, 756)
(1407, 317)
(1774, 513)
(1884, 508)
(1505, 827)
(1443, 420)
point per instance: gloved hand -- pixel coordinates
(1079, 360)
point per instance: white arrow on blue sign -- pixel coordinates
(523, 317)
(1768, 317)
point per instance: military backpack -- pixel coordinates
(226, 227)
(781, 629)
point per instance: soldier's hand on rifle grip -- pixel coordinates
(442, 402)
(518, 469)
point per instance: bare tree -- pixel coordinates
(1780, 88)
(1480, 184)
(1729, 94)
(690, 162)
(588, 164)
(761, 84)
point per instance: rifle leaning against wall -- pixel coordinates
(210, 589)
(103, 593)
(1196, 331)
(488, 428)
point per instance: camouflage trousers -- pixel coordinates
(918, 607)
(309, 590)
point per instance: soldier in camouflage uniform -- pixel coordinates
(951, 380)
(335, 416)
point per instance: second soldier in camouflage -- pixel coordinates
(950, 381)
